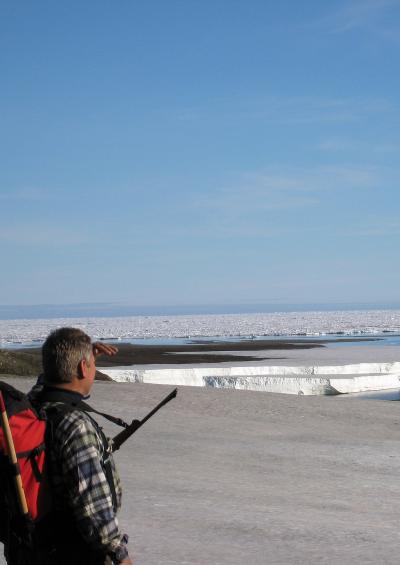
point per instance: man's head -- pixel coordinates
(67, 356)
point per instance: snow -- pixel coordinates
(222, 478)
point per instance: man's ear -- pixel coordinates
(82, 368)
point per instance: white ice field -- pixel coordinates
(314, 376)
(357, 322)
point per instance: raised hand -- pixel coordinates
(100, 348)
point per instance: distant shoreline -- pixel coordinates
(111, 310)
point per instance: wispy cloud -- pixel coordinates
(255, 194)
(271, 204)
(371, 15)
(24, 194)
(314, 109)
(296, 188)
(366, 148)
(374, 229)
(33, 235)
(225, 229)
(336, 144)
(287, 110)
(387, 148)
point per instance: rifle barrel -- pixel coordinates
(160, 405)
(120, 438)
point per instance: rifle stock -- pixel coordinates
(120, 438)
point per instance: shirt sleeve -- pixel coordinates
(87, 490)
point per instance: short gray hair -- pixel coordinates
(62, 352)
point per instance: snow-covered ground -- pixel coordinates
(222, 478)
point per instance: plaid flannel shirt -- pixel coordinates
(80, 483)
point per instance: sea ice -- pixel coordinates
(358, 322)
(308, 380)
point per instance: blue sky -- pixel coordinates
(189, 152)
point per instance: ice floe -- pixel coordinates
(308, 380)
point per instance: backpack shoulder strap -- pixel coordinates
(54, 416)
(118, 421)
(53, 395)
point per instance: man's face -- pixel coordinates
(89, 372)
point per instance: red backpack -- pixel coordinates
(22, 533)
(28, 429)
(25, 536)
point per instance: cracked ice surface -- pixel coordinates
(274, 324)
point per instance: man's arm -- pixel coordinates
(100, 348)
(87, 490)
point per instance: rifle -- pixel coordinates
(120, 438)
(12, 457)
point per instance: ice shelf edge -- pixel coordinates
(307, 380)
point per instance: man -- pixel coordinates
(85, 485)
